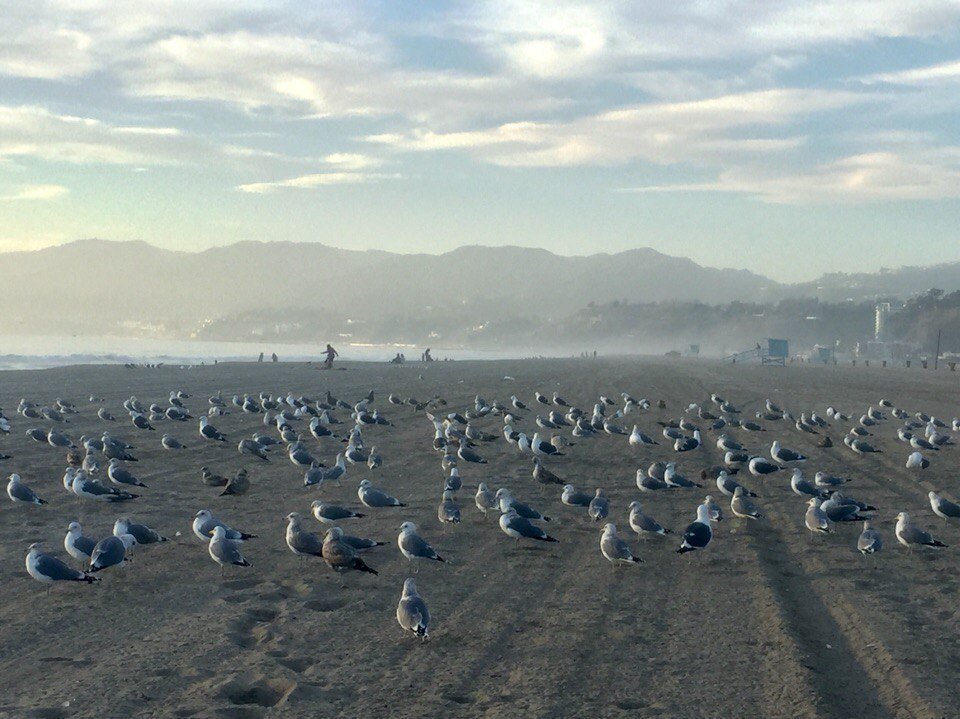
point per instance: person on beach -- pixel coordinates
(331, 354)
(426, 356)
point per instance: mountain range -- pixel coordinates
(98, 286)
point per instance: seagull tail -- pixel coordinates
(88, 578)
(936, 543)
(361, 565)
(244, 536)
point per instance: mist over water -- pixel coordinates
(44, 351)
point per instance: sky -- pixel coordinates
(788, 138)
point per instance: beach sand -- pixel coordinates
(764, 623)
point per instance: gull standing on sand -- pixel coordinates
(525, 511)
(141, 532)
(616, 550)
(121, 476)
(208, 431)
(77, 545)
(301, 542)
(204, 523)
(917, 461)
(698, 533)
(448, 511)
(513, 525)
(46, 568)
(742, 506)
(909, 534)
(572, 498)
(816, 519)
(252, 447)
(643, 524)
(599, 507)
(413, 546)
(111, 552)
(485, 499)
(224, 550)
(372, 497)
(943, 508)
(869, 541)
(412, 612)
(728, 485)
(340, 556)
(329, 513)
(21, 493)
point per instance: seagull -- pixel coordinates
(140, 532)
(89, 488)
(784, 456)
(412, 612)
(638, 438)
(121, 477)
(253, 447)
(544, 475)
(917, 461)
(448, 510)
(698, 534)
(204, 523)
(301, 542)
(542, 448)
(908, 534)
(572, 498)
(513, 525)
(716, 514)
(224, 550)
(330, 513)
(827, 481)
(485, 499)
(340, 556)
(111, 552)
(687, 444)
(742, 506)
(208, 431)
(21, 493)
(728, 485)
(943, 508)
(838, 511)
(646, 483)
(815, 518)
(759, 467)
(47, 568)
(869, 541)
(524, 511)
(468, 455)
(675, 479)
(168, 441)
(300, 457)
(372, 497)
(599, 507)
(616, 550)
(413, 546)
(643, 524)
(77, 545)
(803, 487)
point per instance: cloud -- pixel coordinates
(701, 131)
(316, 180)
(942, 73)
(36, 192)
(870, 177)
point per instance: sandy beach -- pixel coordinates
(766, 622)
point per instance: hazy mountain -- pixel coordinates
(91, 285)
(97, 286)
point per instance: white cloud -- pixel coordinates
(942, 73)
(871, 177)
(316, 180)
(36, 192)
(702, 131)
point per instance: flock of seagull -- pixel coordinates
(459, 441)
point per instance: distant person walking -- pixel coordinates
(426, 356)
(274, 358)
(260, 358)
(331, 353)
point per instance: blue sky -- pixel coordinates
(789, 138)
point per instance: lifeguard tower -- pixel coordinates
(770, 351)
